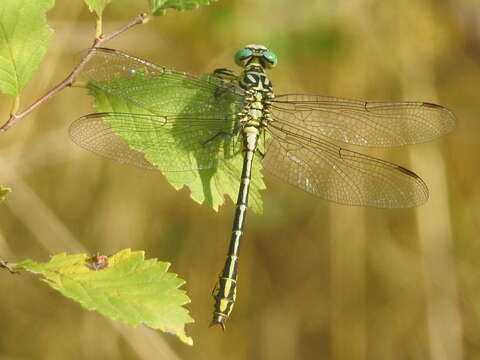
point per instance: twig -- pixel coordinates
(4, 264)
(69, 80)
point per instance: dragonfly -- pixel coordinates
(221, 115)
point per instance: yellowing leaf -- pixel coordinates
(123, 286)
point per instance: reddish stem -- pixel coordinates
(70, 79)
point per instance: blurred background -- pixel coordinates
(317, 280)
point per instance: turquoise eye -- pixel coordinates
(242, 55)
(271, 59)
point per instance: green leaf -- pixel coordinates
(4, 192)
(158, 7)
(210, 185)
(124, 286)
(97, 5)
(24, 35)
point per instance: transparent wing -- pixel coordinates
(364, 123)
(169, 143)
(158, 89)
(337, 174)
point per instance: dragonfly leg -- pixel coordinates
(225, 74)
(219, 134)
(215, 288)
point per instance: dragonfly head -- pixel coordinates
(256, 55)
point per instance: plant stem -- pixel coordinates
(98, 27)
(15, 105)
(70, 79)
(80, 84)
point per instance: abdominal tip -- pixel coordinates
(218, 322)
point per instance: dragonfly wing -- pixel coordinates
(366, 123)
(339, 175)
(169, 143)
(158, 89)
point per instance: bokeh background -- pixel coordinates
(317, 280)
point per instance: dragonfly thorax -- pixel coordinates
(259, 94)
(254, 78)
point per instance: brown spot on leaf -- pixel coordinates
(97, 262)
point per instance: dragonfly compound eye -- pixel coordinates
(270, 59)
(242, 56)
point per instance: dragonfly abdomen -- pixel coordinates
(226, 289)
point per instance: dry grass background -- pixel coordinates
(318, 280)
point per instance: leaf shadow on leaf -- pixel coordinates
(220, 144)
(193, 139)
